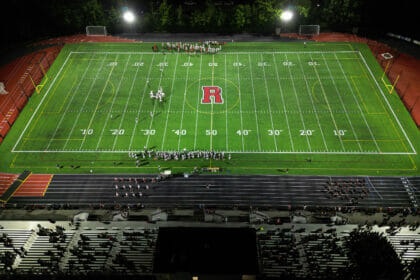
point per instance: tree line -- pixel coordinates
(34, 19)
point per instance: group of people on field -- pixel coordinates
(202, 47)
(184, 155)
(159, 95)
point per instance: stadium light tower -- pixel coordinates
(286, 16)
(129, 16)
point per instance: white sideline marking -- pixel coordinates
(218, 53)
(40, 103)
(233, 152)
(386, 100)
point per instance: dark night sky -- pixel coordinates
(30, 19)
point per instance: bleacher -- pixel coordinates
(301, 250)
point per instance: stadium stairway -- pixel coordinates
(15, 186)
(6, 180)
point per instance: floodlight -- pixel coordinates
(129, 17)
(286, 16)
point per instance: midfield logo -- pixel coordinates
(212, 95)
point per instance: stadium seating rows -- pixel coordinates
(299, 249)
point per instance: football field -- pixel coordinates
(246, 100)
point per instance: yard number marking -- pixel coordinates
(87, 131)
(307, 132)
(275, 132)
(180, 131)
(148, 131)
(244, 132)
(117, 131)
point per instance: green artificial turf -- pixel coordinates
(287, 108)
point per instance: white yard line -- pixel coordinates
(198, 102)
(284, 104)
(255, 105)
(313, 105)
(71, 100)
(141, 102)
(226, 108)
(269, 106)
(328, 104)
(154, 106)
(170, 102)
(115, 97)
(240, 104)
(40, 103)
(344, 107)
(387, 102)
(357, 102)
(183, 104)
(298, 103)
(97, 103)
(211, 113)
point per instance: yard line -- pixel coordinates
(141, 102)
(170, 102)
(97, 103)
(211, 114)
(40, 103)
(269, 106)
(227, 141)
(344, 107)
(284, 104)
(313, 105)
(328, 104)
(298, 103)
(357, 102)
(115, 97)
(255, 105)
(183, 104)
(240, 104)
(386, 100)
(154, 107)
(198, 101)
(71, 100)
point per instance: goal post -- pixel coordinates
(308, 30)
(96, 31)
